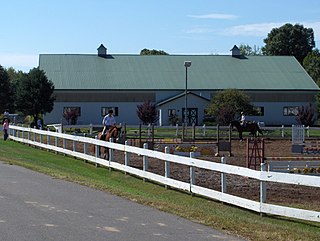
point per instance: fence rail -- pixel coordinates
(37, 138)
(203, 130)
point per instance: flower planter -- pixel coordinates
(187, 154)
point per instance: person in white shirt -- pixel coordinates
(242, 119)
(108, 121)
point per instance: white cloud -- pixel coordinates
(22, 62)
(199, 30)
(256, 30)
(214, 16)
(262, 29)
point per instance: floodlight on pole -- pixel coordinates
(187, 64)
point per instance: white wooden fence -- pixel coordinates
(285, 131)
(35, 137)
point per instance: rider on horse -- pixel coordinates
(108, 121)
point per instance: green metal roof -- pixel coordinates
(167, 72)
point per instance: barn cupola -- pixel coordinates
(102, 51)
(235, 51)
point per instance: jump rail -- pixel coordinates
(36, 137)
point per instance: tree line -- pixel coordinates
(30, 94)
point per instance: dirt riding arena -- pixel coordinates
(282, 194)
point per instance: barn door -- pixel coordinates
(192, 116)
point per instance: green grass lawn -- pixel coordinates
(220, 216)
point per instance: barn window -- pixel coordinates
(290, 110)
(104, 110)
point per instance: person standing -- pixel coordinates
(5, 128)
(6, 113)
(243, 119)
(39, 124)
(108, 121)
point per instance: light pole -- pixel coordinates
(187, 64)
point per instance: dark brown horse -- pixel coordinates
(113, 133)
(251, 127)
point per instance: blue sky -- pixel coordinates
(33, 27)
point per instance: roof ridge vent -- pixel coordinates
(102, 51)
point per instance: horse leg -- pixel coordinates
(240, 135)
(106, 153)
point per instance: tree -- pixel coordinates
(247, 50)
(35, 94)
(227, 104)
(306, 115)
(290, 40)
(311, 64)
(71, 115)
(147, 113)
(14, 77)
(152, 52)
(6, 92)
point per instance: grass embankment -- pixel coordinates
(214, 214)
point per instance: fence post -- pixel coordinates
(263, 188)
(96, 151)
(40, 136)
(204, 129)
(85, 148)
(126, 156)
(167, 165)
(192, 173)
(183, 134)
(111, 151)
(64, 141)
(218, 138)
(145, 160)
(193, 132)
(29, 136)
(91, 129)
(34, 135)
(140, 135)
(48, 138)
(223, 177)
(56, 141)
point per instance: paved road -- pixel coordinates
(36, 207)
